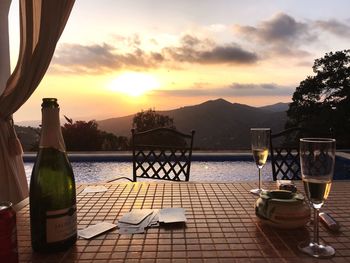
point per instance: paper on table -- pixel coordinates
(95, 230)
(127, 228)
(135, 216)
(95, 189)
(172, 215)
(154, 220)
(137, 220)
(133, 229)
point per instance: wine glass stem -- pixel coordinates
(316, 219)
(259, 178)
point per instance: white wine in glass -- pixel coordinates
(317, 191)
(317, 158)
(260, 139)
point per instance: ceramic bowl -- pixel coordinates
(282, 209)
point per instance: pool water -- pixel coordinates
(228, 171)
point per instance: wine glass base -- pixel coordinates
(316, 250)
(256, 191)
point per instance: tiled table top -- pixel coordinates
(221, 226)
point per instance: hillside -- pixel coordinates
(219, 124)
(276, 107)
(28, 136)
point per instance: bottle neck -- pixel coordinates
(51, 134)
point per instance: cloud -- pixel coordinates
(95, 59)
(101, 58)
(232, 90)
(281, 34)
(195, 50)
(335, 27)
(285, 36)
(281, 28)
(91, 56)
(217, 28)
(262, 89)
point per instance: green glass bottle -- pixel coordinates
(52, 195)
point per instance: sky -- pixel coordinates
(117, 57)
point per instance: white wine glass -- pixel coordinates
(317, 158)
(260, 139)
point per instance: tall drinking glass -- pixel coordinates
(260, 138)
(317, 158)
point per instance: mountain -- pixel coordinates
(120, 126)
(280, 106)
(33, 123)
(219, 124)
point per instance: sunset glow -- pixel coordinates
(134, 84)
(130, 55)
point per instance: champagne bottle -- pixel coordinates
(52, 196)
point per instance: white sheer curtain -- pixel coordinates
(41, 25)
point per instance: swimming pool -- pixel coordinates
(88, 172)
(205, 166)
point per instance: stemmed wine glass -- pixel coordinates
(317, 158)
(260, 139)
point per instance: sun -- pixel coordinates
(134, 83)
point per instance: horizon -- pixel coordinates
(36, 122)
(129, 57)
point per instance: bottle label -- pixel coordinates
(61, 224)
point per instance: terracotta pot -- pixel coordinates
(282, 209)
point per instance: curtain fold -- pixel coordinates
(41, 25)
(4, 44)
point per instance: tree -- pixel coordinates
(322, 102)
(81, 136)
(85, 136)
(111, 142)
(150, 119)
(29, 137)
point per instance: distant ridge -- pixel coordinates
(33, 123)
(219, 124)
(280, 106)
